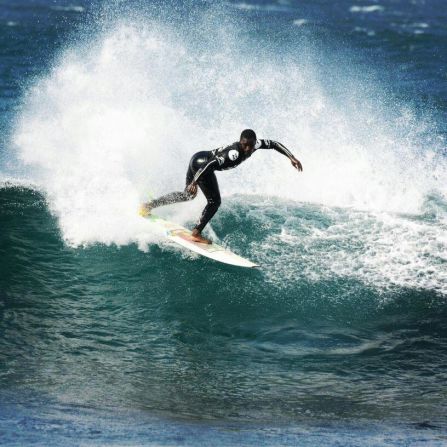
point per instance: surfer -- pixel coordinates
(201, 174)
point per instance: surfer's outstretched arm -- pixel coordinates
(279, 147)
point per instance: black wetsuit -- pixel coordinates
(201, 170)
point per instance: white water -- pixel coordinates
(378, 249)
(122, 116)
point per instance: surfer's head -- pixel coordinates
(248, 139)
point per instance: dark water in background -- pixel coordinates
(110, 336)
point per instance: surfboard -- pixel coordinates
(182, 236)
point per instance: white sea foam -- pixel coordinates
(300, 22)
(420, 25)
(367, 31)
(378, 249)
(69, 8)
(121, 117)
(259, 7)
(369, 8)
(414, 28)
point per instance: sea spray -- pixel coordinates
(117, 120)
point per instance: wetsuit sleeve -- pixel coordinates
(211, 165)
(281, 149)
(270, 144)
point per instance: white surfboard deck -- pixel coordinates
(182, 236)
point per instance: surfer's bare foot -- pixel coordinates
(145, 209)
(197, 237)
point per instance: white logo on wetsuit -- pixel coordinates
(233, 154)
(220, 160)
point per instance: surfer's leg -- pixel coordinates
(172, 197)
(169, 199)
(210, 188)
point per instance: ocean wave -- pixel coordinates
(93, 132)
(301, 244)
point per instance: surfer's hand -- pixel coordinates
(296, 164)
(192, 188)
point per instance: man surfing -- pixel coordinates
(201, 174)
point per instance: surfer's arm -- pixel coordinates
(270, 144)
(192, 187)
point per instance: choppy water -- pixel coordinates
(109, 335)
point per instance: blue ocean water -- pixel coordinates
(109, 335)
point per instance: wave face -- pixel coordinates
(103, 320)
(302, 339)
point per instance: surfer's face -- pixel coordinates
(247, 145)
